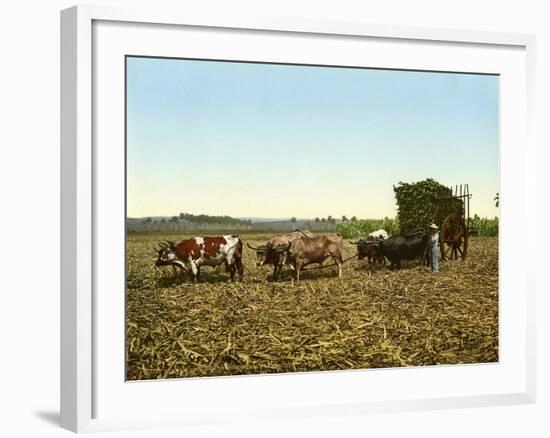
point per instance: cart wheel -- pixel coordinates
(454, 237)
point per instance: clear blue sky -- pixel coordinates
(247, 139)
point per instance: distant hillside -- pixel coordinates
(255, 219)
(282, 225)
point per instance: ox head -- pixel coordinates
(263, 253)
(269, 254)
(279, 253)
(367, 248)
(166, 251)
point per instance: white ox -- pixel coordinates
(378, 235)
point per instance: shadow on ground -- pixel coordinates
(51, 417)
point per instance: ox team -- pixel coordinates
(294, 250)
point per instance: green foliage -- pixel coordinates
(362, 227)
(418, 206)
(485, 227)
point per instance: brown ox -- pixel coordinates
(307, 250)
(274, 252)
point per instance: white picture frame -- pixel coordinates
(81, 231)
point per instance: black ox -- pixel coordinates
(396, 248)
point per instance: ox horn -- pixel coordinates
(354, 243)
(259, 248)
(282, 248)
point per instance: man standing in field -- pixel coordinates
(434, 247)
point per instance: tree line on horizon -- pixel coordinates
(201, 219)
(228, 220)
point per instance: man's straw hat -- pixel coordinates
(434, 227)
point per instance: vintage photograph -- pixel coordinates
(295, 218)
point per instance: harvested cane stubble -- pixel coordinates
(371, 318)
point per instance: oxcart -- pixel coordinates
(456, 227)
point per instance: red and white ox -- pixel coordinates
(191, 254)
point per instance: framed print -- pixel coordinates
(258, 208)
